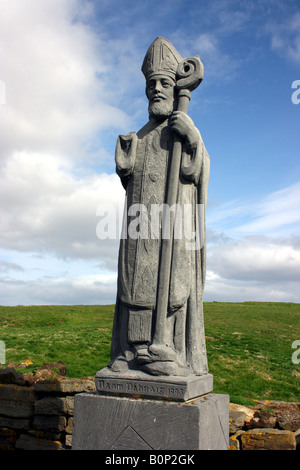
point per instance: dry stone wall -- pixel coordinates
(39, 416)
(270, 425)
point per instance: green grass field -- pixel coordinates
(249, 345)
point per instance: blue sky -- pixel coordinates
(72, 80)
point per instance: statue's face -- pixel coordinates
(160, 91)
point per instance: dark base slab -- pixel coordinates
(140, 384)
(120, 423)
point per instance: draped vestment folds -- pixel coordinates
(142, 162)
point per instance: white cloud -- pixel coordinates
(60, 97)
(256, 258)
(47, 209)
(81, 291)
(223, 290)
(285, 37)
(279, 209)
(51, 66)
(274, 214)
(219, 65)
(6, 267)
(56, 69)
(66, 88)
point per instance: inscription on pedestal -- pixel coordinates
(151, 389)
(172, 388)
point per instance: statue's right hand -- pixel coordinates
(126, 140)
(184, 126)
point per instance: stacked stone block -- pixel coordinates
(40, 416)
(270, 425)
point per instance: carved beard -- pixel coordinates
(161, 109)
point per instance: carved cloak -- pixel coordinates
(142, 162)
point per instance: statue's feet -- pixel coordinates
(161, 360)
(161, 352)
(161, 368)
(119, 364)
(143, 356)
(156, 359)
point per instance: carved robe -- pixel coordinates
(142, 162)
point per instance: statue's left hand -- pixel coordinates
(183, 125)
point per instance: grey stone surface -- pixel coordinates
(51, 406)
(49, 423)
(17, 393)
(65, 386)
(111, 423)
(158, 323)
(26, 442)
(140, 384)
(10, 376)
(15, 423)
(289, 421)
(16, 409)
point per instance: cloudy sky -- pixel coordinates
(70, 83)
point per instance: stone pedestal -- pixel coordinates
(139, 384)
(103, 422)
